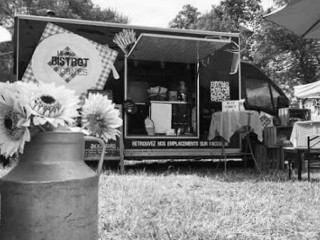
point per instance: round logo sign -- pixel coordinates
(69, 60)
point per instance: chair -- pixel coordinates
(312, 156)
(289, 160)
(247, 148)
(242, 127)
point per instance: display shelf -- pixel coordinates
(170, 102)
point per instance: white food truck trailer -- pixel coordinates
(167, 82)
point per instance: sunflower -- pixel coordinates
(13, 124)
(100, 118)
(49, 104)
(4, 86)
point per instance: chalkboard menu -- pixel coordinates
(93, 150)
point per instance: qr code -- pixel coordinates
(219, 91)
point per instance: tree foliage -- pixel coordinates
(241, 12)
(287, 59)
(186, 18)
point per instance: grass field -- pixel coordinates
(203, 203)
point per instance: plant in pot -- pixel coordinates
(51, 187)
(28, 108)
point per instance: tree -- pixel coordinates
(233, 16)
(216, 20)
(76, 9)
(241, 12)
(286, 58)
(229, 16)
(186, 18)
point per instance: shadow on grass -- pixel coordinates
(236, 170)
(182, 167)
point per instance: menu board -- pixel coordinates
(93, 150)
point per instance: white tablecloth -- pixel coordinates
(225, 124)
(302, 130)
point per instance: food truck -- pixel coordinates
(167, 82)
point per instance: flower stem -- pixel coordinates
(41, 128)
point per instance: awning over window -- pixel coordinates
(168, 48)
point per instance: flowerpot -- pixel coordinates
(51, 193)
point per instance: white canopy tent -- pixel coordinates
(5, 35)
(310, 90)
(311, 93)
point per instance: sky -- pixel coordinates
(158, 13)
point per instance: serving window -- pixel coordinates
(162, 79)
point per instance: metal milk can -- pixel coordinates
(51, 194)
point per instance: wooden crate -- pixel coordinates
(271, 138)
(260, 153)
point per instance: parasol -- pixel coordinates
(299, 16)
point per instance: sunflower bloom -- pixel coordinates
(13, 125)
(50, 104)
(100, 118)
(7, 86)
